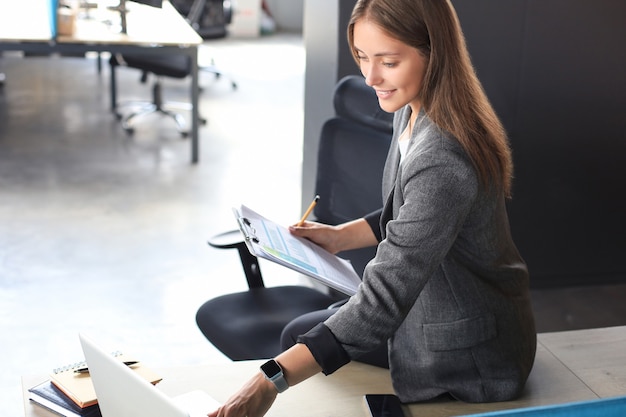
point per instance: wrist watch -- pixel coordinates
(274, 373)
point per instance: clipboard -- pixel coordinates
(269, 240)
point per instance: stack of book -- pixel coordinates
(49, 396)
(69, 391)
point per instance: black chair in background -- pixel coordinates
(178, 66)
(353, 148)
(209, 18)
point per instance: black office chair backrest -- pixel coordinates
(352, 151)
(209, 18)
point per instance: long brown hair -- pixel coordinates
(451, 94)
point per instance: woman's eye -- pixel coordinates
(389, 64)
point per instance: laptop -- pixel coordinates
(123, 393)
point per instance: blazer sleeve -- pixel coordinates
(325, 348)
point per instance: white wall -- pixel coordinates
(320, 42)
(327, 60)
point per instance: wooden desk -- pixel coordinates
(570, 366)
(150, 31)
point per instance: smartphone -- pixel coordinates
(384, 405)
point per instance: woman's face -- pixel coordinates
(394, 69)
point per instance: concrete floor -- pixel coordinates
(106, 234)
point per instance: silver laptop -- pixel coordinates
(123, 393)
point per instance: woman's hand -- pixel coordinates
(252, 400)
(322, 235)
(355, 234)
(258, 394)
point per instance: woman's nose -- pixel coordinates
(372, 77)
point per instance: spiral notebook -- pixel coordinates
(79, 387)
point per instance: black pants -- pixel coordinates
(306, 322)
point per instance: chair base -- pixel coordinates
(212, 69)
(156, 106)
(147, 108)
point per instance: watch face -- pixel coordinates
(270, 368)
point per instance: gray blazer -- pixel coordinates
(447, 288)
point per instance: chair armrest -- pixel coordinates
(226, 240)
(233, 239)
(338, 303)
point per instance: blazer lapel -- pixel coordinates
(390, 180)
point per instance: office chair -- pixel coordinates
(210, 19)
(352, 152)
(353, 148)
(178, 66)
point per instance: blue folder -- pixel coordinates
(605, 407)
(54, 5)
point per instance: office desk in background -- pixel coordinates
(570, 366)
(27, 26)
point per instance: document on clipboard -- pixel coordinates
(268, 240)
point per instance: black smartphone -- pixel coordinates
(384, 405)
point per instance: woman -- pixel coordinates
(447, 290)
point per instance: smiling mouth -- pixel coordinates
(384, 93)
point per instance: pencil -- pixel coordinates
(308, 211)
